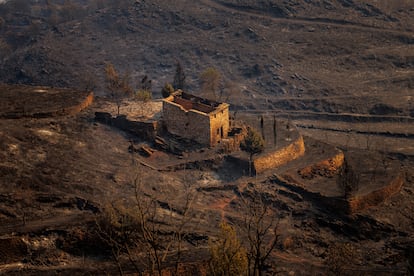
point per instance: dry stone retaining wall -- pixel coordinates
(328, 167)
(376, 197)
(51, 111)
(341, 204)
(279, 157)
(72, 110)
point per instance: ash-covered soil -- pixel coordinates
(342, 70)
(265, 54)
(60, 173)
(302, 58)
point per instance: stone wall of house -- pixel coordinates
(279, 157)
(219, 125)
(190, 124)
(204, 128)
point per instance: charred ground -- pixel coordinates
(341, 70)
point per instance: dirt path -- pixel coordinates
(401, 75)
(50, 222)
(290, 258)
(305, 21)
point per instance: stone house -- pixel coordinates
(195, 118)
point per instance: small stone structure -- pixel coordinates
(195, 118)
(146, 130)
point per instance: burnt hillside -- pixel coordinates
(264, 48)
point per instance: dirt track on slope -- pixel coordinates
(307, 21)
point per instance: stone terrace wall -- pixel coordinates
(376, 197)
(53, 111)
(341, 204)
(70, 110)
(279, 157)
(327, 168)
(78, 108)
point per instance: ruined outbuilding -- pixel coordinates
(188, 116)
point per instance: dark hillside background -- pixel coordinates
(263, 48)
